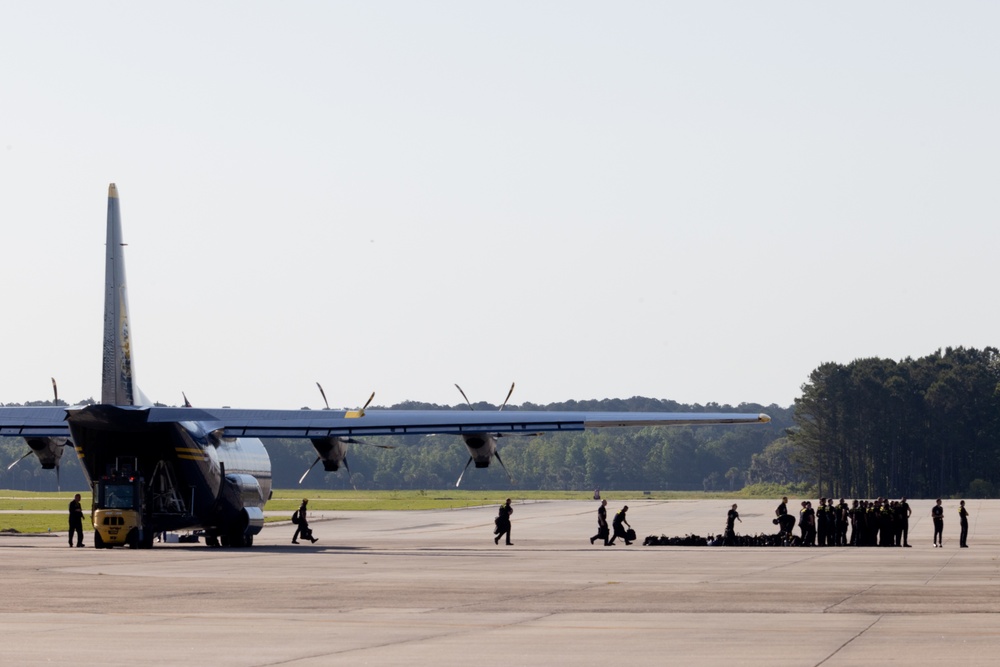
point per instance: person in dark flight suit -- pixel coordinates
(809, 516)
(303, 526)
(503, 522)
(602, 524)
(76, 521)
(786, 522)
(904, 520)
(731, 518)
(821, 522)
(937, 513)
(963, 517)
(618, 529)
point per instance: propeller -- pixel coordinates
(46, 445)
(496, 453)
(469, 403)
(361, 411)
(344, 441)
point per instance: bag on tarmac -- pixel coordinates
(630, 535)
(295, 517)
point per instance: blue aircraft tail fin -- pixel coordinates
(118, 383)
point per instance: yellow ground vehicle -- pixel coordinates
(118, 513)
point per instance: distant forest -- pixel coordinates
(922, 428)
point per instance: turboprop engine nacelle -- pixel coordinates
(482, 448)
(48, 450)
(332, 452)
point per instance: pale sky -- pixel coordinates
(697, 201)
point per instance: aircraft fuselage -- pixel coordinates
(195, 478)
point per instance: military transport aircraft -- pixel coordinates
(201, 468)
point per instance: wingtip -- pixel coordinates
(113, 191)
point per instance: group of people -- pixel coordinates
(879, 522)
(937, 513)
(617, 529)
(620, 526)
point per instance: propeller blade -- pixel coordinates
(466, 399)
(187, 403)
(352, 441)
(350, 478)
(19, 460)
(509, 476)
(309, 468)
(504, 404)
(59, 481)
(323, 394)
(464, 469)
(367, 403)
(55, 390)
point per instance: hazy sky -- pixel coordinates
(699, 201)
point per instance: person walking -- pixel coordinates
(937, 513)
(619, 530)
(602, 524)
(302, 526)
(503, 522)
(76, 521)
(731, 518)
(963, 517)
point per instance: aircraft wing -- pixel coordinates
(237, 423)
(33, 421)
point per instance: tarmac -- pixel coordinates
(431, 588)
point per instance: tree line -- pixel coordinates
(920, 428)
